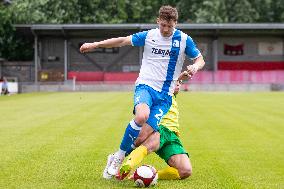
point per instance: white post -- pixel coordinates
(74, 83)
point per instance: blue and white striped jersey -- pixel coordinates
(163, 57)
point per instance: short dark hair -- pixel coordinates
(168, 13)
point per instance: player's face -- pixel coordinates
(166, 27)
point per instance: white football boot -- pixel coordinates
(106, 175)
(115, 165)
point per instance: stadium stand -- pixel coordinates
(234, 54)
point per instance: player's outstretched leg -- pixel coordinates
(180, 168)
(136, 156)
(131, 133)
(106, 175)
(126, 146)
(133, 159)
(116, 163)
(169, 173)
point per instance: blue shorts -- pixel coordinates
(158, 102)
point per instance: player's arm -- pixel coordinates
(198, 64)
(195, 55)
(108, 43)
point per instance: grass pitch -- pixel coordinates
(61, 140)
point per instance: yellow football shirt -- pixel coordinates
(170, 120)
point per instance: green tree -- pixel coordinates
(223, 11)
(6, 29)
(240, 11)
(187, 10)
(278, 13)
(145, 11)
(269, 10)
(44, 11)
(211, 11)
(12, 47)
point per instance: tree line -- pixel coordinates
(125, 11)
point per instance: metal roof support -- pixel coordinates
(65, 54)
(65, 59)
(225, 27)
(215, 57)
(1, 60)
(140, 55)
(36, 56)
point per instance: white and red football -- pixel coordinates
(145, 176)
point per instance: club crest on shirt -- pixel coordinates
(175, 43)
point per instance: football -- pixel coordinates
(145, 176)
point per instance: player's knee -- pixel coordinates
(185, 172)
(141, 118)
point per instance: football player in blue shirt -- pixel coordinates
(165, 49)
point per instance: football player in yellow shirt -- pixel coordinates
(166, 144)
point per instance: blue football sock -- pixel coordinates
(131, 133)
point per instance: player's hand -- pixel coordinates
(87, 47)
(185, 75)
(192, 69)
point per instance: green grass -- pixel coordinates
(61, 140)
